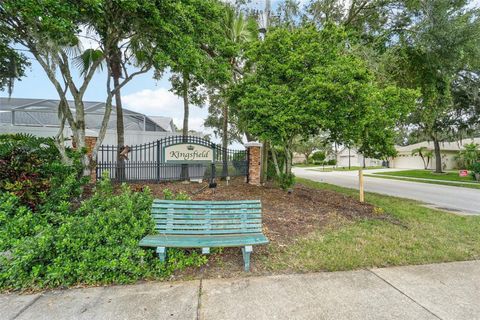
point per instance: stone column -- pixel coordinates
(254, 150)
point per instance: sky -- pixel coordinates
(142, 94)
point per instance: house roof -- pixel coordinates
(444, 146)
(44, 112)
(165, 122)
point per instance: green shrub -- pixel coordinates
(475, 167)
(331, 162)
(318, 157)
(286, 181)
(169, 195)
(31, 168)
(95, 244)
(468, 156)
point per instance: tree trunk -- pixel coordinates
(115, 57)
(79, 136)
(306, 155)
(186, 115)
(120, 129)
(275, 162)
(438, 156)
(425, 164)
(336, 155)
(288, 161)
(225, 140)
(349, 159)
(264, 159)
(119, 110)
(60, 139)
(186, 110)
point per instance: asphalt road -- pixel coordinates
(455, 199)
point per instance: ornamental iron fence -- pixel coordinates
(172, 158)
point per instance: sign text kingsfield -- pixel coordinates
(187, 152)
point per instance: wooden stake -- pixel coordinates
(360, 180)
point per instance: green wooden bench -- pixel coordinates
(206, 224)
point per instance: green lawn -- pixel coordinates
(328, 169)
(306, 165)
(468, 184)
(428, 174)
(356, 168)
(422, 235)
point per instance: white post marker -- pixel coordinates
(360, 181)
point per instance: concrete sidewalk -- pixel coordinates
(440, 291)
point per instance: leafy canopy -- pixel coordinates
(305, 81)
(439, 44)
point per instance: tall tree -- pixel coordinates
(439, 41)
(364, 17)
(307, 145)
(466, 101)
(306, 80)
(126, 46)
(192, 91)
(238, 31)
(198, 60)
(49, 31)
(12, 65)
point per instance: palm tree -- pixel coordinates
(469, 155)
(239, 30)
(425, 154)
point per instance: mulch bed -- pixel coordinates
(286, 216)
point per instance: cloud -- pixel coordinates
(194, 123)
(158, 102)
(162, 102)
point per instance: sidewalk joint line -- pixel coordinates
(403, 293)
(22, 310)
(199, 302)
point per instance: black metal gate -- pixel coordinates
(146, 162)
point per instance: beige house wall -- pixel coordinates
(407, 161)
(298, 158)
(356, 160)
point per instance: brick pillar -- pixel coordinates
(90, 144)
(254, 150)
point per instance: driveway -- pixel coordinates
(455, 199)
(438, 291)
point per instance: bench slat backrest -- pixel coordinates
(207, 217)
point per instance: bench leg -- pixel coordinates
(246, 257)
(205, 250)
(162, 253)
